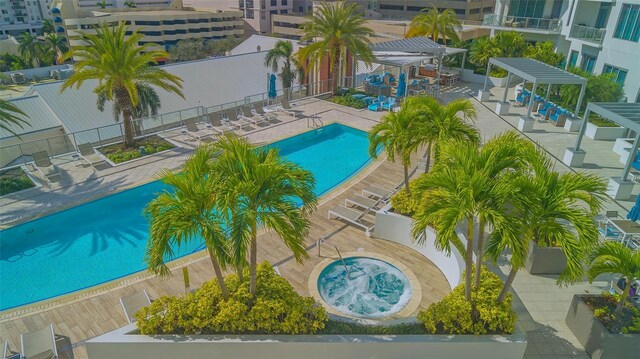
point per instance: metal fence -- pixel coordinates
(552, 25)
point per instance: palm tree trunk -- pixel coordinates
(240, 273)
(335, 72)
(469, 261)
(507, 284)
(122, 96)
(480, 252)
(253, 261)
(219, 276)
(428, 164)
(406, 178)
(625, 294)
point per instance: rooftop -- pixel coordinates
(536, 71)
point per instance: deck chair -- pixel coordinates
(246, 114)
(44, 165)
(131, 304)
(192, 130)
(39, 344)
(352, 216)
(261, 112)
(361, 202)
(376, 192)
(90, 155)
(8, 354)
(232, 117)
(219, 125)
(285, 106)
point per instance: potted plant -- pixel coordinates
(607, 325)
(599, 128)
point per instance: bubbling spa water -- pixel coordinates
(364, 287)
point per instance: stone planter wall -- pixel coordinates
(469, 76)
(604, 133)
(597, 341)
(545, 260)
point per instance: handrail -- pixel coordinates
(344, 264)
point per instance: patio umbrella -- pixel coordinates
(634, 213)
(402, 86)
(272, 87)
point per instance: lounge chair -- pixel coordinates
(389, 104)
(352, 216)
(90, 155)
(546, 110)
(131, 304)
(376, 192)
(192, 130)
(44, 165)
(285, 107)
(523, 98)
(259, 110)
(8, 354)
(232, 117)
(219, 125)
(559, 117)
(374, 106)
(39, 344)
(361, 201)
(247, 115)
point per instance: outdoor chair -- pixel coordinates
(352, 216)
(39, 344)
(44, 165)
(558, 117)
(192, 130)
(219, 125)
(246, 114)
(374, 106)
(377, 192)
(546, 109)
(389, 104)
(285, 107)
(90, 155)
(259, 109)
(232, 117)
(132, 304)
(523, 98)
(360, 201)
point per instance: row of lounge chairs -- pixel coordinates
(51, 172)
(385, 103)
(359, 208)
(547, 110)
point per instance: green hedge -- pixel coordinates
(14, 180)
(276, 309)
(453, 314)
(152, 144)
(407, 204)
(349, 101)
(604, 306)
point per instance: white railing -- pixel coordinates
(518, 22)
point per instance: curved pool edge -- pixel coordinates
(406, 312)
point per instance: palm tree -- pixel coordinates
(435, 24)
(130, 4)
(441, 123)
(30, 48)
(616, 258)
(336, 29)
(555, 210)
(10, 115)
(57, 45)
(186, 213)
(396, 133)
(47, 27)
(283, 51)
(148, 104)
(102, 4)
(120, 65)
(482, 49)
(262, 189)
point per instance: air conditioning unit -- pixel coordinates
(18, 78)
(65, 73)
(55, 74)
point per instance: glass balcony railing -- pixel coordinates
(517, 22)
(587, 33)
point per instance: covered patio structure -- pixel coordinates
(624, 114)
(539, 74)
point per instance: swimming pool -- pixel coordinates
(105, 239)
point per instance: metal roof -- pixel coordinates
(624, 114)
(266, 43)
(420, 44)
(40, 116)
(397, 60)
(536, 71)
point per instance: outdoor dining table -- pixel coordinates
(627, 228)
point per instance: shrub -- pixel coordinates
(349, 101)
(601, 121)
(276, 309)
(14, 180)
(453, 314)
(151, 144)
(604, 306)
(406, 204)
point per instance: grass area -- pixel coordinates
(346, 100)
(146, 146)
(14, 180)
(603, 307)
(601, 121)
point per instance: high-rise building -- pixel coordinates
(19, 16)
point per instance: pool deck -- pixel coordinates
(540, 304)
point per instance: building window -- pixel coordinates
(273, 12)
(573, 58)
(526, 8)
(486, 10)
(474, 11)
(284, 2)
(283, 12)
(620, 74)
(628, 27)
(274, 2)
(249, 14)
(588, 62)
(391, 7)
(603, 15)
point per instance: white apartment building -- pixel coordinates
(596, 36)
(19, 16)
(256, 13)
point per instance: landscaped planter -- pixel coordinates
(597, 341)
(545, 260)
(604, 133)
(124, 343)
(572, 124)
(469, 76)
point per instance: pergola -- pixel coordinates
(624, 114)
(535, 72)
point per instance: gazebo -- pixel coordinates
(535, 72)
(624, 114)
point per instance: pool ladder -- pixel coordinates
(314, 121)
(344, 264)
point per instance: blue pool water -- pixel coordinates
(372, 288)
(105, 239)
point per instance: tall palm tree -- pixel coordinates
(47, 26)
(30, 48)
(435, 24)
(57, 45)
(283, 51)
(262, 189)
(10, 114)
(185, 213)
(441, 123)
(336, 29)
(130, 4)
(148, 104)
(396, 133)
(615, 258)
(120, 64)
(482, 49)
(554, 210)
(102, 4)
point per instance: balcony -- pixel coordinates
(587, 33)
(526, 24)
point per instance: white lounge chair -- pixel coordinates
(232, 117)
(192, 130)
(361, 202)
(246, 114)
(8, 354)
(90, 155)
(352, 216)
(377, 192)
(39, 344)
(285, 107)
(44, 165)
(259, 110)
(219, 125)
(131, 304)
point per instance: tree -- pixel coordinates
(9, 62)
(47, 27)
(120, 64)
(336, 29)
(435, 24)
(504, 44)
(283, 51)
(544, 52)
(10, 114)
(30, 48)
(615, 258)
(555, 210)
(186, 213)
(600, 88)
(102, 4)
(195, 49)
(130, 4)
(56, 45)
(262, 189)
(148, 104)
(482, 49)
(396, 133)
